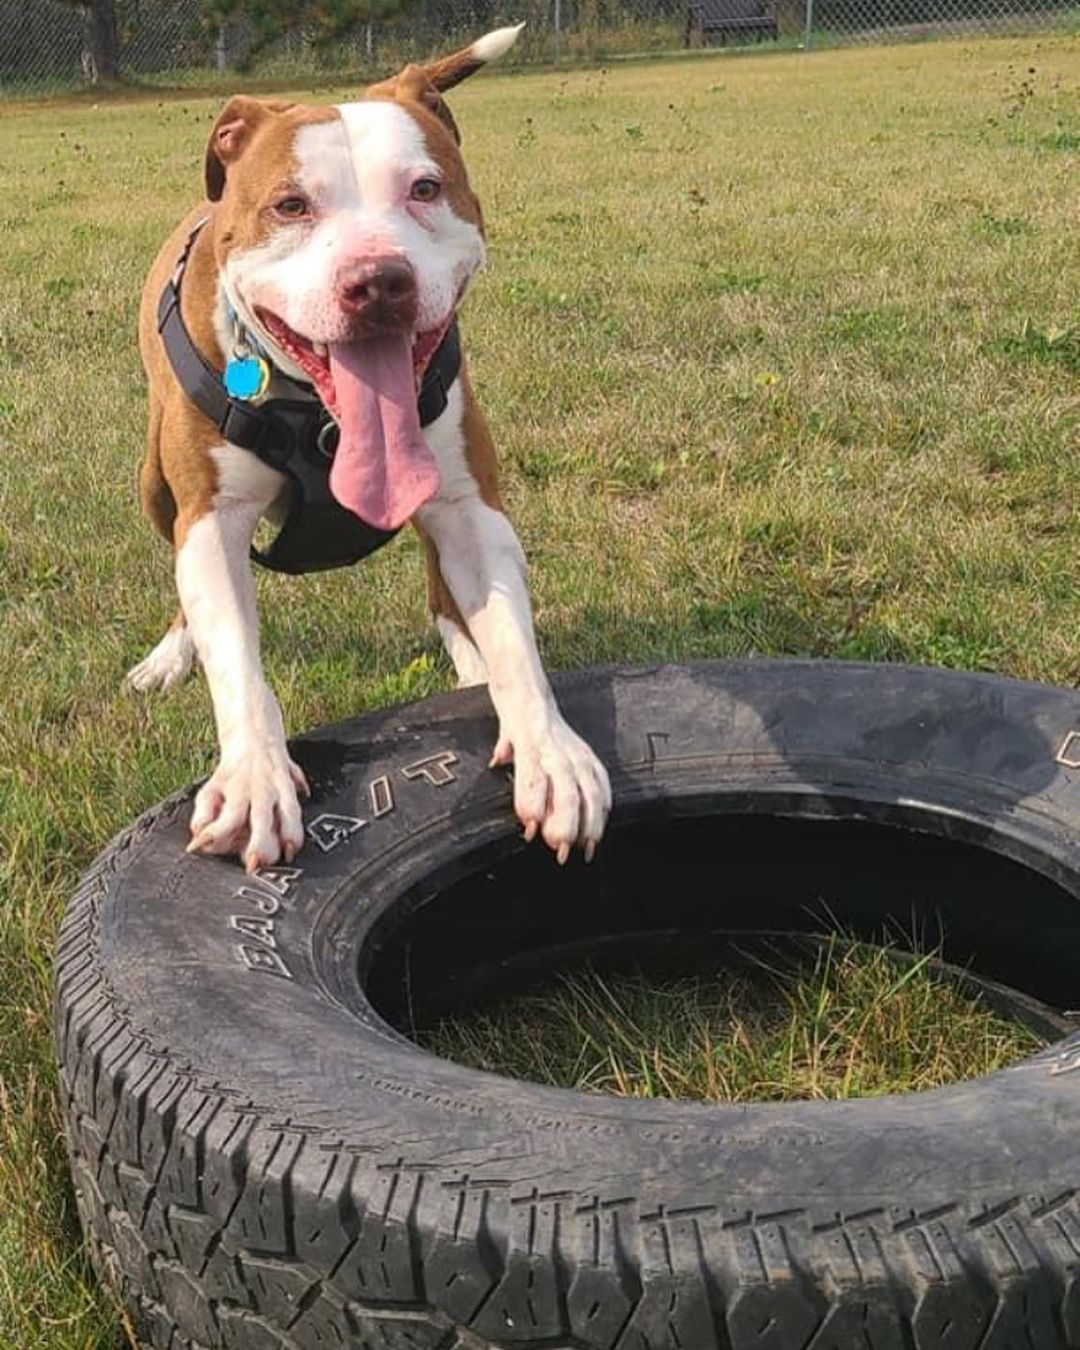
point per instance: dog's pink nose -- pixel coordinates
(379, 293)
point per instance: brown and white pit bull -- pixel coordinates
(337, 244)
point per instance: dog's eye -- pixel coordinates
(293, 207)
(425, 189)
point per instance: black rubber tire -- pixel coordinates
(261, 1160)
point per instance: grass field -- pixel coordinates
(830, 1024)
(782, 354)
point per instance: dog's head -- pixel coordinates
(345, 239)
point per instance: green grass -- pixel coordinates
(844, 1021)
(780, 356)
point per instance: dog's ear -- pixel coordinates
(233, 130)
(450, 70)
(411, 85)
(426, 84)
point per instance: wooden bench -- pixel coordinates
(728, 18)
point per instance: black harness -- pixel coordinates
(296, 436)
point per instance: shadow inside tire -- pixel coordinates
(683, 895)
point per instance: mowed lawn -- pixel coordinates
(782, 354)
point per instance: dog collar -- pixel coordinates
(295, 435)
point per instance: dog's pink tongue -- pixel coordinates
(382, 468)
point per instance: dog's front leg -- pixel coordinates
(560, 787)
(249, 806)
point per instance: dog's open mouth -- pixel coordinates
(314, 358)
(383, 470)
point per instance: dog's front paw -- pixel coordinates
(561, 789)
(250, 807)
(168, 665)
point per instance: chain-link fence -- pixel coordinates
(48, 45)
